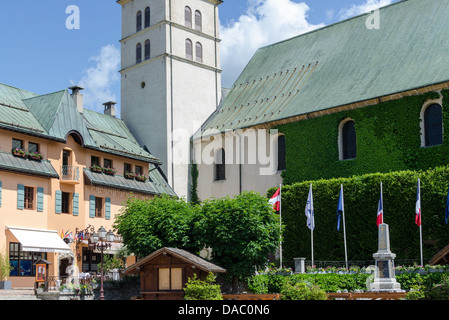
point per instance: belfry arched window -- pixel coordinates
(198, 21)
(138, 21)
(348, 140)
(147, 49)
(433, 125)
(199, 52)
(189, 49)
(138, 53)
(188, 17)
(147, 17)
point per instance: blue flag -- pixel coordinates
(447, 207)
(340, 208)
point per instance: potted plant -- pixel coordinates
(96, 168)
(140, 177)
(130, 175)
(5, 270)
(35, 156)
(18, 152)
(109, 170)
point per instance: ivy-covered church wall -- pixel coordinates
(388, 139)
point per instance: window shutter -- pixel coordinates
(20, 196)
(58, 201)
(75, 204)
(91, 206)
(40, 199)
(108, 208)
(0, 193)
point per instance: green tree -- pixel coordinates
(241, 233)
(147, 225)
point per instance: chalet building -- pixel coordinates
(51, 148)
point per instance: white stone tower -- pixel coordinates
(170, 77)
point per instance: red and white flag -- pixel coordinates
(418, 205)
(275, 200)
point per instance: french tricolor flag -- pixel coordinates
(275, 200)
(380, 209)
(418, 205)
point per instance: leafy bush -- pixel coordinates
(197, 289)
(302, 291)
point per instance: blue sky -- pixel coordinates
(39, 54)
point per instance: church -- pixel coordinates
(347, 99)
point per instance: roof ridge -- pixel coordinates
(333, 24)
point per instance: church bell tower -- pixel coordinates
(170, 77)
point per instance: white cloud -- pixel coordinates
(98, 80)
(368, 6)
(264, 22)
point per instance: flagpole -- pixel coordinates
(280, 225)
(382, 201)
(344, 230)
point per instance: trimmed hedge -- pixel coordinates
(361, 196)
(332, 282)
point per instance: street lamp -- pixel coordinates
(101, 240)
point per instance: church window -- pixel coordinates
(198, 21)
(199, 52)
(348, 141)
(220, 165)
(281, 153)
(147, 49)
(139, 21)
(147, 17)
(138, 53)
(188, 17)
(433, 125)
(189, 49)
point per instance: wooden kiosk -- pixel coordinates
(164, 273)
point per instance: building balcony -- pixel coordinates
(70, 174)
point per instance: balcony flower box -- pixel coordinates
(110, 171)
(18, 153)
(141, 178)
(130, 175)
(35, 156)
(96, 168)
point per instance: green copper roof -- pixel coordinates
(341, 64)
(42, 168)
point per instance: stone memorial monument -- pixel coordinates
(384, 274)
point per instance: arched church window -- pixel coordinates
(199, 52)
(138, 53)
(188, 17)
(189, 49)
(220, 165)
(433, 125)
(147, 49)
(348, 140)
(139, 21)
(147, 17)
(281, 153)
(198, 21)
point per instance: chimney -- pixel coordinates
(77, 97)
(109, 108)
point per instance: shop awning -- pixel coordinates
(38, 240)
